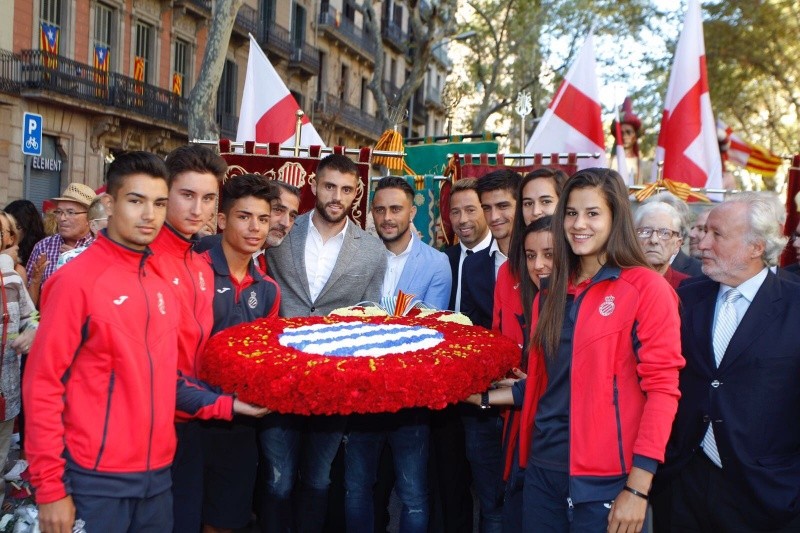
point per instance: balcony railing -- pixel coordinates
(275, 40)
(339, 112)
(394, 36)
(247, 20)
(10, 72)
(433, 96)
(343, 29)
(39, 70)
(305, 59)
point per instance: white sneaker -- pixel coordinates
(16, 471)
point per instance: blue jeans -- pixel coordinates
(302, 449)
(483, 433)
(408, 434)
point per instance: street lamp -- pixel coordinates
(460, 37)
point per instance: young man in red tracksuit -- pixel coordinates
(100, 381)
(194, 176)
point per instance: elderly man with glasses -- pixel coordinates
(73, 232)
(658, 226)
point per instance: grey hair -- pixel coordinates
(680, 206)
(658, 207)
(766, 219)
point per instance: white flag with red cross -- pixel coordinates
(687, 143)
(572, 122)
(267, 113)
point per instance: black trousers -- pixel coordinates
(705, 499)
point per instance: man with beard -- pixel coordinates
(281, 221)
(732, 454)
(325, 263)
(416, 269)
(658, 226)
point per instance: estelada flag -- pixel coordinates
(572, 122)
(101, 57)
(48, 43)
(177, 83)
(687, 142)
(49, 38)
(267, 113)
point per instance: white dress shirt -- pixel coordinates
(748, 289)
(499, 257)
(321, 256)
(394, 269)
(477, 248)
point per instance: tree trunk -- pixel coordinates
(203, 97)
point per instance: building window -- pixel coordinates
(50, 12)
(323, 71)
(297, 98)
(181, 62)
(226, 93)
(267, 13)
(364, 91)
(298, 26)
(104, 34)
(344, 83)
(144, 49)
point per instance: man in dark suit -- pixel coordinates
(469, 225)
(498, 195)
(733, 456)
(794, 268)
(451, 499)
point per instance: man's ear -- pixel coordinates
(108, 202)
(221, 220)
(413, 212)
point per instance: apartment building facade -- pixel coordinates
(111, 75)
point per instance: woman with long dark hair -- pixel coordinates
(30, 228)
(602, 387)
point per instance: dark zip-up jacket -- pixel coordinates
(100, 381)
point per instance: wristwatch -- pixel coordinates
(485, 400)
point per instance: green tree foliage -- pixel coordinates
(529, 44)
(753, 58)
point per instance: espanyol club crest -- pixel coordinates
(252, 301)
(292, 173)
(607, 307)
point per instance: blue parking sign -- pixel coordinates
(32, 134)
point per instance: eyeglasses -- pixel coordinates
(663, 233)
(69, 213)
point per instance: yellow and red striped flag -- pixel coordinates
(177, 83)
(48, 43)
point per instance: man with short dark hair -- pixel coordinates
(483, 427)
(100, 378)
(325, 262)
(241, 294)
(194, 176)
(732, 455)
(422, 272)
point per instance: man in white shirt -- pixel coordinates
(416, 269)
(469, 225)
(324, 263)
(732, 454)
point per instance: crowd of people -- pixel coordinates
(648, 378)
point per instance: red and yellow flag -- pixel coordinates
(48, 43)
(177, 83)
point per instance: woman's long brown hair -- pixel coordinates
(622, 250)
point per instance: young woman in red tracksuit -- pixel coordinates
(602, 387)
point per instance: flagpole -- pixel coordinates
(304, 149)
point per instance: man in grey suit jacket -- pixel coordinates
(325, 262)
(416, 269)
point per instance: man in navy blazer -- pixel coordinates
(734, 454)
(416, 269)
